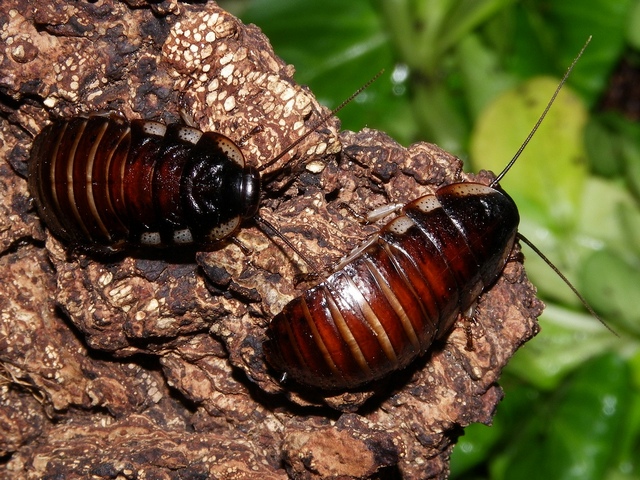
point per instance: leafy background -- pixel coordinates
(473, 76)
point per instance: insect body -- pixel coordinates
(388, 304)
(104, 181)
(393, 297)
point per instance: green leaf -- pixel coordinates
(602, 144)
(439, 118)
(580, 437)
(566, 340)
(574, 22)
(472, 57)
(613, 147)
(631, 157)
(549, 173)
(630, 219)
(474, 446)
(542, 37)
(607, 218)
(608, 214)
(612, 286)
(336, 47)
(475, 61)
(479, 441)
(425, 32)
(633, 26)
(627, 464)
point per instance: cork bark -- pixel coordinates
(150, 364)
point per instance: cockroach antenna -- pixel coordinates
(567, 282)
(142, 183)
(389, 301)
(320, 122)
(544, 114)
(513, 161)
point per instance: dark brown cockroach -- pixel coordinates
(390, 299)
(102, 182)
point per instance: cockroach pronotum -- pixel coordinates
(389, 300)
(101, 182)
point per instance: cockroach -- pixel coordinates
(101, 182)
(393, 297)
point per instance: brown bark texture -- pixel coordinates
(150, 364)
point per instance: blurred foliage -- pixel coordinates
(473, 76)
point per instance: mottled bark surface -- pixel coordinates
(150, 365)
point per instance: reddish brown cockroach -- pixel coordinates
(102, 182)
(385, 305)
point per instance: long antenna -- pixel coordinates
(262, 223)
(267, 227)
(544, 114)
(320, 122)
(565, 280)
(510, 164)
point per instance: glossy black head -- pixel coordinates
(251, 190)
(218, 191)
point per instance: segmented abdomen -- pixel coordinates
(388, 304)
(102, 181)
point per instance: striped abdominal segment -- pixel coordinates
(387, 303)
(102, 181)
